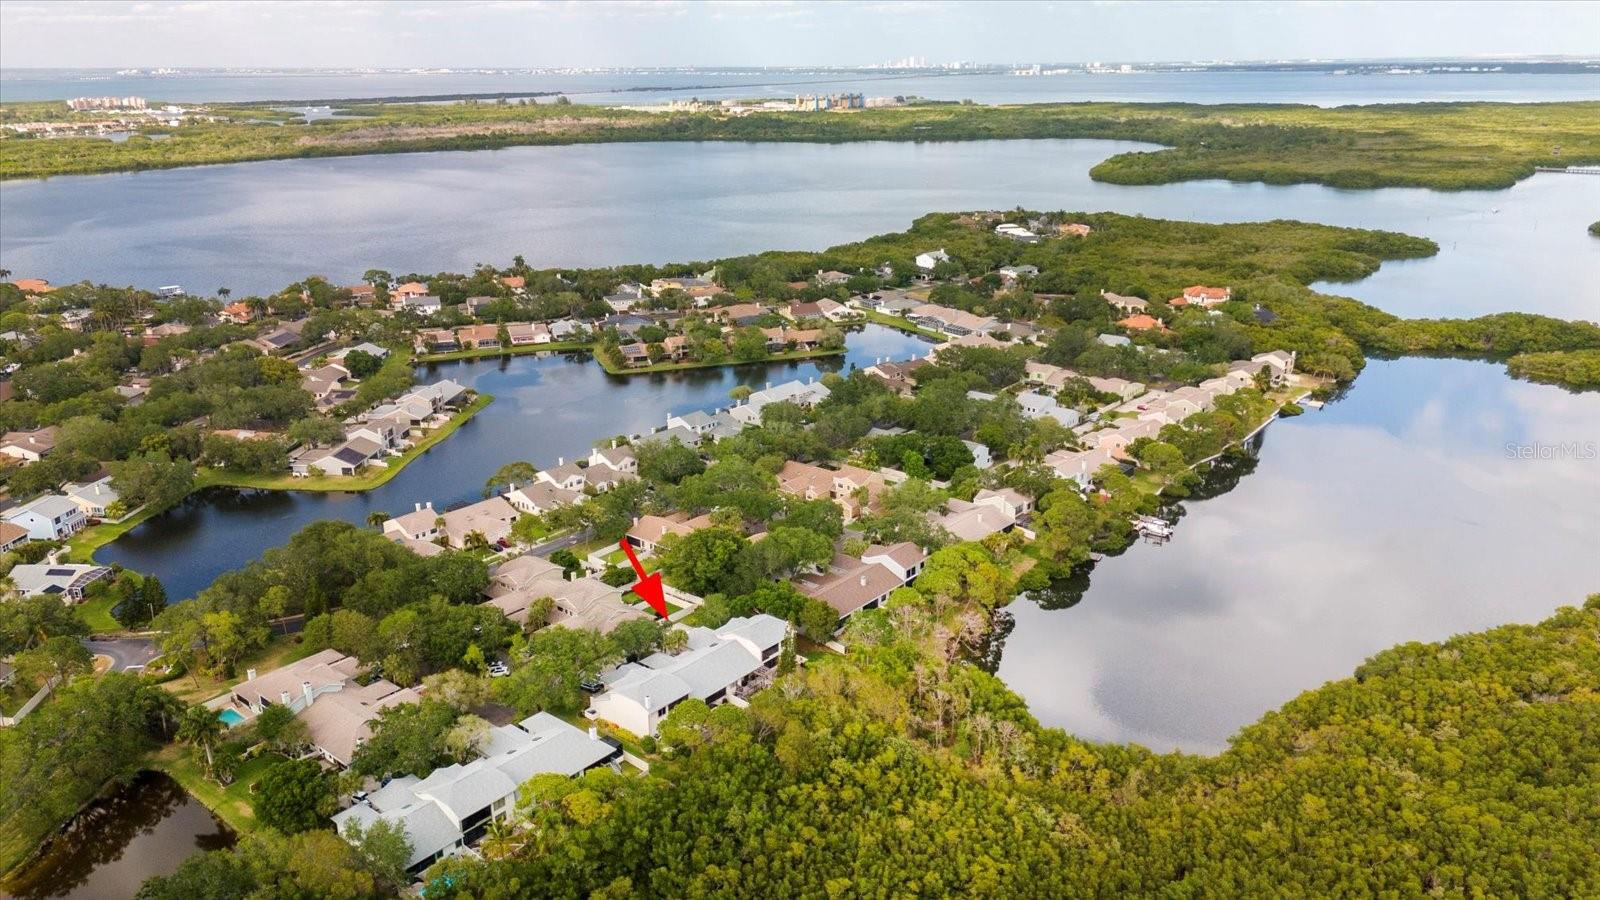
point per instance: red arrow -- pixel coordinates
(648, 586)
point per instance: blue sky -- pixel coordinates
(511, 33)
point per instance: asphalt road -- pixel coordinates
(125, 653)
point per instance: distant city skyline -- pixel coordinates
(745, 33)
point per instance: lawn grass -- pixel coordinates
(96, 613)
(901, 324)
(81, 547)
(232, 803)
(279, 651)
(454, 355)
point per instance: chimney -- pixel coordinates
(428, 505)
(284, 696)
(250, 675)
(305, 688)
(649, 709)
(863, 579)
(769, 385)
(594, 733)
(561, 461)
(418, 507)
(511, 487)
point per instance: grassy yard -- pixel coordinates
(81, 546)
(554, 347)
(901, 324)
(97, 614)
(231, 803)
(280, 651)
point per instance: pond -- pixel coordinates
(256, 227)
(145, 828)
(546, 408)
(1436, 497)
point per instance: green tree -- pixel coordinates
(200, 728)
(294, 795)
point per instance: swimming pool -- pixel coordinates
(230, 717)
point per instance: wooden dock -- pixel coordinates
(1570, 170)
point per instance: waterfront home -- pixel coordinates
(795, 312)
(897, 375)
(850, 585)
(717, 664)
(345, 458)
(694, 286)
(387, 432)
(927, 261)
(1278, 363)
(566, 330)
(539, 497)
(971, 521)
(29, 446)
(647, 532)
(239, 313)
(636, 354)
(686, 437)
(51, 517)
(455, 805)
(441, 395)
(834, 311)
(1142, 322)
(324, 693)
(478, 337)
(1008, 500)
(697, 421)
(617, 459)
(807, 393)
(1079, 466)
(1128, 305)
(1041, 406)
(566, 476)
(65, 580)
(12, 536)
(421, 524)
(800, 338)
(951, 321)
(93, 498)
(523, 334)
(436, 340)
(1200, 295)
(491, 518)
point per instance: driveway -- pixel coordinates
(125, 653)
(558, 544)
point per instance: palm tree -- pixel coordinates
(377, 518)
(200, 728)
(223, 292)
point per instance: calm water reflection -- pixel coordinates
(1393, 515)
(258, 226)
(143, 829)
(544, 409)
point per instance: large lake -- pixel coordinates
(1402, 512)
(546, 408)
(256, 227)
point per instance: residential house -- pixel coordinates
(581, 603)
(904, 559)
(717, 663)
(93, 498)
(1200, 295)
(478, 337)
(33, 286)
(345, 458)
(855, 490)
(514, 283)
(928, 261)
(1046, 375)
(363, 294)
(153, 334)
(1016, 233)
(324, 693)
(851, 585)
(1042, 406)
(421, 524)
(954, 322)
(1142, 322)
(647, 532)
(1128, 305)
(491, 518)
(739, 313)
(538, 498)
(1074, 229)
(566, 330)
(437, 340)
(523, 334)
(1278, 363)
(1079, 466)
(279, 340)
(1113, 340)
(455, 805)
(831, 277)
(695, 286)
(65, 580)
(1009, 501)
(807, 393)
(617, 459)
(401, 292)
(566, 476)
(971, 521)
(968, 340)
(1010, 275)
(29, 446)
(981, 458)
(1123, 388)
(239, 313)
(12, 536)
(51, 517)
(897, 375)
(421, 304)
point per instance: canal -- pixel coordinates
(145, 828)
(546, 408)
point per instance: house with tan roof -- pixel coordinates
(491, 518)
(239, 313)
(12, 536)
(647, 532)
(1079, 466)
(33, 285)
(1128, 305)
(323, 692)
(1008, 500)
(1200, 295)
(478, 337)
(904, 559)
(29, 446)
(1142, 322)
(537, 498)
(851, 585)
(967, 521)
(566, 476)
